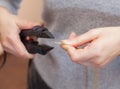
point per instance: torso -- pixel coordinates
(61, 18)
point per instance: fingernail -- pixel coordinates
(64, 47)
(65, 42)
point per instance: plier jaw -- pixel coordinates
(32, 45)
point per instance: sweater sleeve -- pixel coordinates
(11, 5)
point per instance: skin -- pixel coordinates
(10, 27)
(102, 46)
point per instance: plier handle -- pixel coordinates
(32, 45)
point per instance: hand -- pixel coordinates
(1, 49)
(10, 27)
(102, 46)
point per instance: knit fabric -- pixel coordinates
(61, 18)
(11, 5)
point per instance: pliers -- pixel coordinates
(32, 45)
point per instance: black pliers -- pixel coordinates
(32, 45)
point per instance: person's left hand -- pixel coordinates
(103, 45)
(1, 50)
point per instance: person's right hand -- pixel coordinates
(10, 27)
(97, 47)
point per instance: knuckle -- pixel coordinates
(74, 58)
(77, 58)
(22, 54)
(10, 37)
(91, 31)
(95, 31)
(98, 62)
(97, 52)
(7, 40)
(25, 55)
(5, 44)
(100, 66)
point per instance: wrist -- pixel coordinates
(3, 11)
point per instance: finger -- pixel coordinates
(24, 24)
(107, 60)
(94, 63)
(1, 49)
(82, 39)
(70, 50)
(68, 47)
(19, 47)
(77, 55)
(72, 35)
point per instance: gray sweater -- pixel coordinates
(62, 17)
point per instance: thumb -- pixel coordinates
(1, 49)
(72, 35)
(82, 39)
(25, 24)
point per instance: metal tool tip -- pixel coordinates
(58, 43)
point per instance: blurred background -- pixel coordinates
(14, 73)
